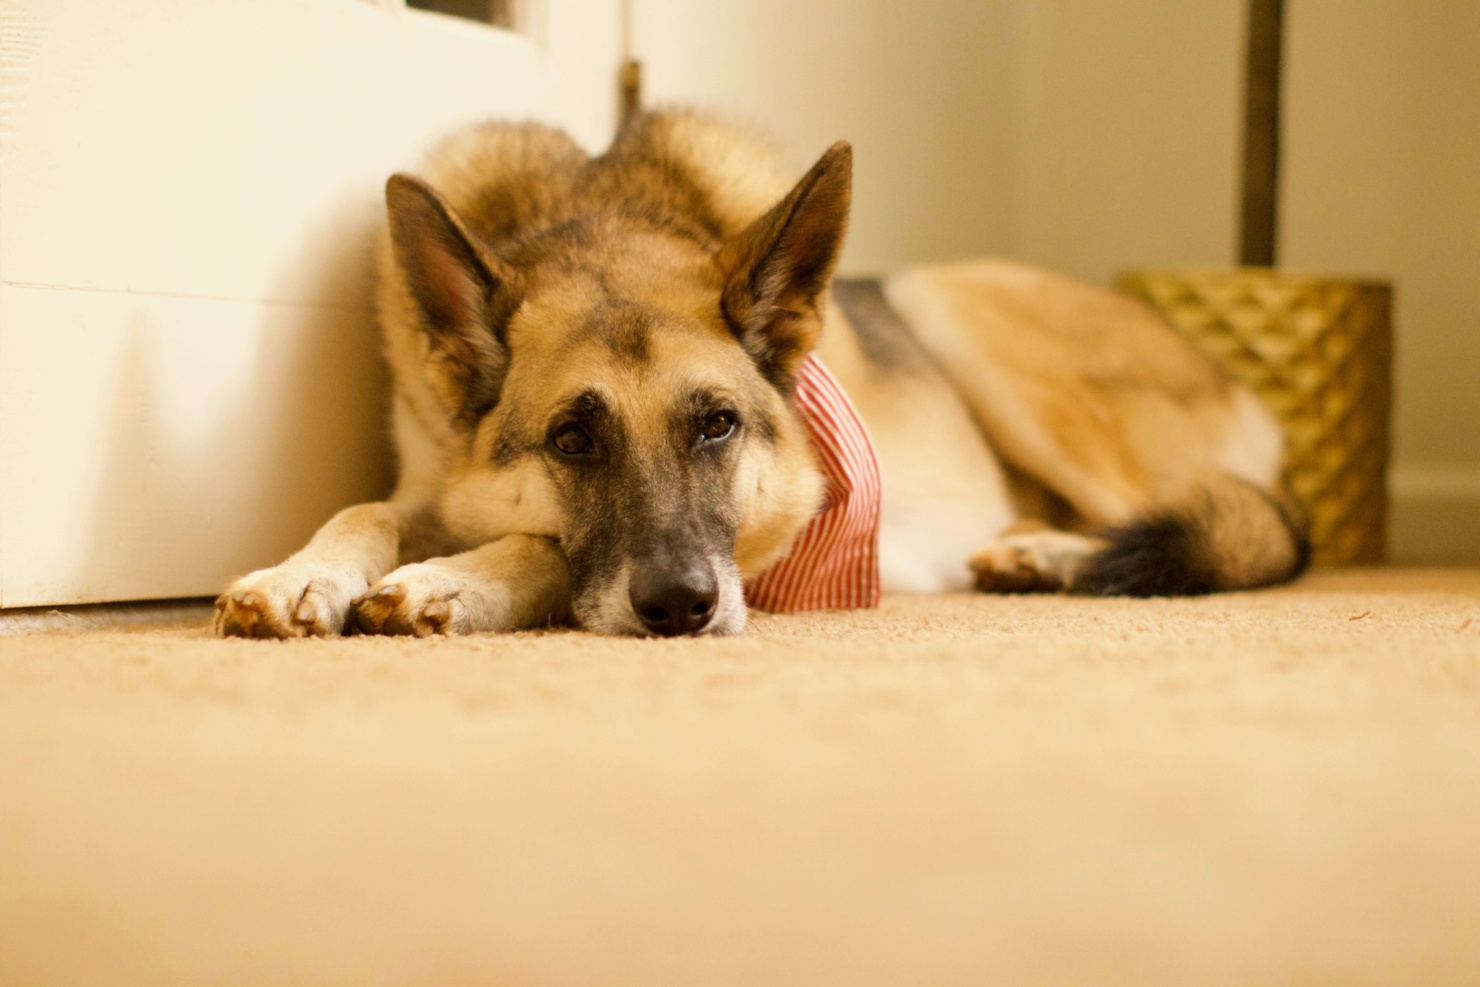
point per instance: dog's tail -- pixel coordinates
(1226, 534)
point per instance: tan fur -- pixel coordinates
(1081, 386)
(740, 172)
(1099, 413)
(1094, 396)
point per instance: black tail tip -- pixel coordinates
(1162, 555)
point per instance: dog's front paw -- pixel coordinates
(426, 598)
(289, 600)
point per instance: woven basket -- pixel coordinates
(1318, 351)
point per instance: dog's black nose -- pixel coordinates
(671, 602)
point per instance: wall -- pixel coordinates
(923, 91)
(1383, 177)
(1130, 134)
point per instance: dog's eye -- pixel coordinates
(717, 426)
(573, 440)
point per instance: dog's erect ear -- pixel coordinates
(465, 294)
(778, 269)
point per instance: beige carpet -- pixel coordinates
(1278, 787)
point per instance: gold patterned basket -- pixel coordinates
(1318, 351)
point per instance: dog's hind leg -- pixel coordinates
(1168, 459)
(515, 582)
(310, 594)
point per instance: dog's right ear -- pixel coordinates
(465, 294)
(777, 270)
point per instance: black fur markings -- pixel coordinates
(625, 330)
(882, 333)
(1160, 555)
(508, 446)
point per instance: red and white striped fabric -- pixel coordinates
(834, 563)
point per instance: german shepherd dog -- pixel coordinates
(594, 362)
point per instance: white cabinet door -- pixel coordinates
(189, 374)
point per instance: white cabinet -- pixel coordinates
(189, 373)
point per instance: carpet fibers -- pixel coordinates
(1276, 787)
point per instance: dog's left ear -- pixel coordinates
(778, 269)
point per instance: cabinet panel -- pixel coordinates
(189, 376)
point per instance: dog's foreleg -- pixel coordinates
(516, 582)
(311, 593)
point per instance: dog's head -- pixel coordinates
(622, 384)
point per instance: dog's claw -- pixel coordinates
(435, 618)
(308, 618)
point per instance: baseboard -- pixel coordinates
(1435, 515)
(104, 616)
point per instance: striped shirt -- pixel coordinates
(834, 563)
